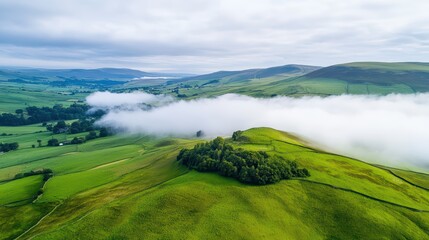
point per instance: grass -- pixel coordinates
(132, 187)
(419, 179)
(19, 96)
(218, 208)
(20, 191)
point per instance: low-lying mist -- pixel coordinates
(108, 100)
(389, 129)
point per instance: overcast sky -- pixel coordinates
(200, 36)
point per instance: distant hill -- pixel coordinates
(248, 74)
(297, 80)
(414, 76)
(291, 80)
(114, 74)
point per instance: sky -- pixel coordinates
(200, 36)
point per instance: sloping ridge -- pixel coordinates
(344, 198)
(414, 75)
(252, 73)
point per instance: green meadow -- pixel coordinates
(129, 187)
(21, 95)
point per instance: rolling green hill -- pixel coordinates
(246, 75)
(132, 187)
(352, 78)
(399, 77)
(290, 80)
(254, 82)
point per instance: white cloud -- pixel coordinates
(391, 129)
(108, 100)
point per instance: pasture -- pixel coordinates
(132, 187)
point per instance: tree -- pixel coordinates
(75, 128)
(103, 132)
(19, 112)
(77, 140)
(60, 127)
(91, 135)
(236, 135)
(39, 142)
(33, 146)
(200, 133)
(6, 147)
(53, 142)
(227, 169)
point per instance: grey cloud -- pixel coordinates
(228, 31)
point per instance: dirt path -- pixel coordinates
(38, 222)
(108, 164)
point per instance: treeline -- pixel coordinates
(79, 126)
(6, 147)
(46, 172)
(247, 166)
(31, 115)
(79, 140)
(82, 125)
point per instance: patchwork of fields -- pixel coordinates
(132, 187)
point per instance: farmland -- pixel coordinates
(135, 181)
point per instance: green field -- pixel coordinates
(131, 187)
(19, 96)
(20, 190)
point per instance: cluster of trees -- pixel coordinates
(6, 147)
(34, 114)
(53, 142)
(46, 172)
(247, 166)
(79, 126)
(104, 132)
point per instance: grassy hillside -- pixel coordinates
(245, 75)
(254, 82)
(290, 80)
(351, 78)
(375, 77)
(131, 187)
(20, 95)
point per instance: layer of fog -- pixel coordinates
(129, 101)
(391, 129)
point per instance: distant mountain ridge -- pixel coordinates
(115, 74)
